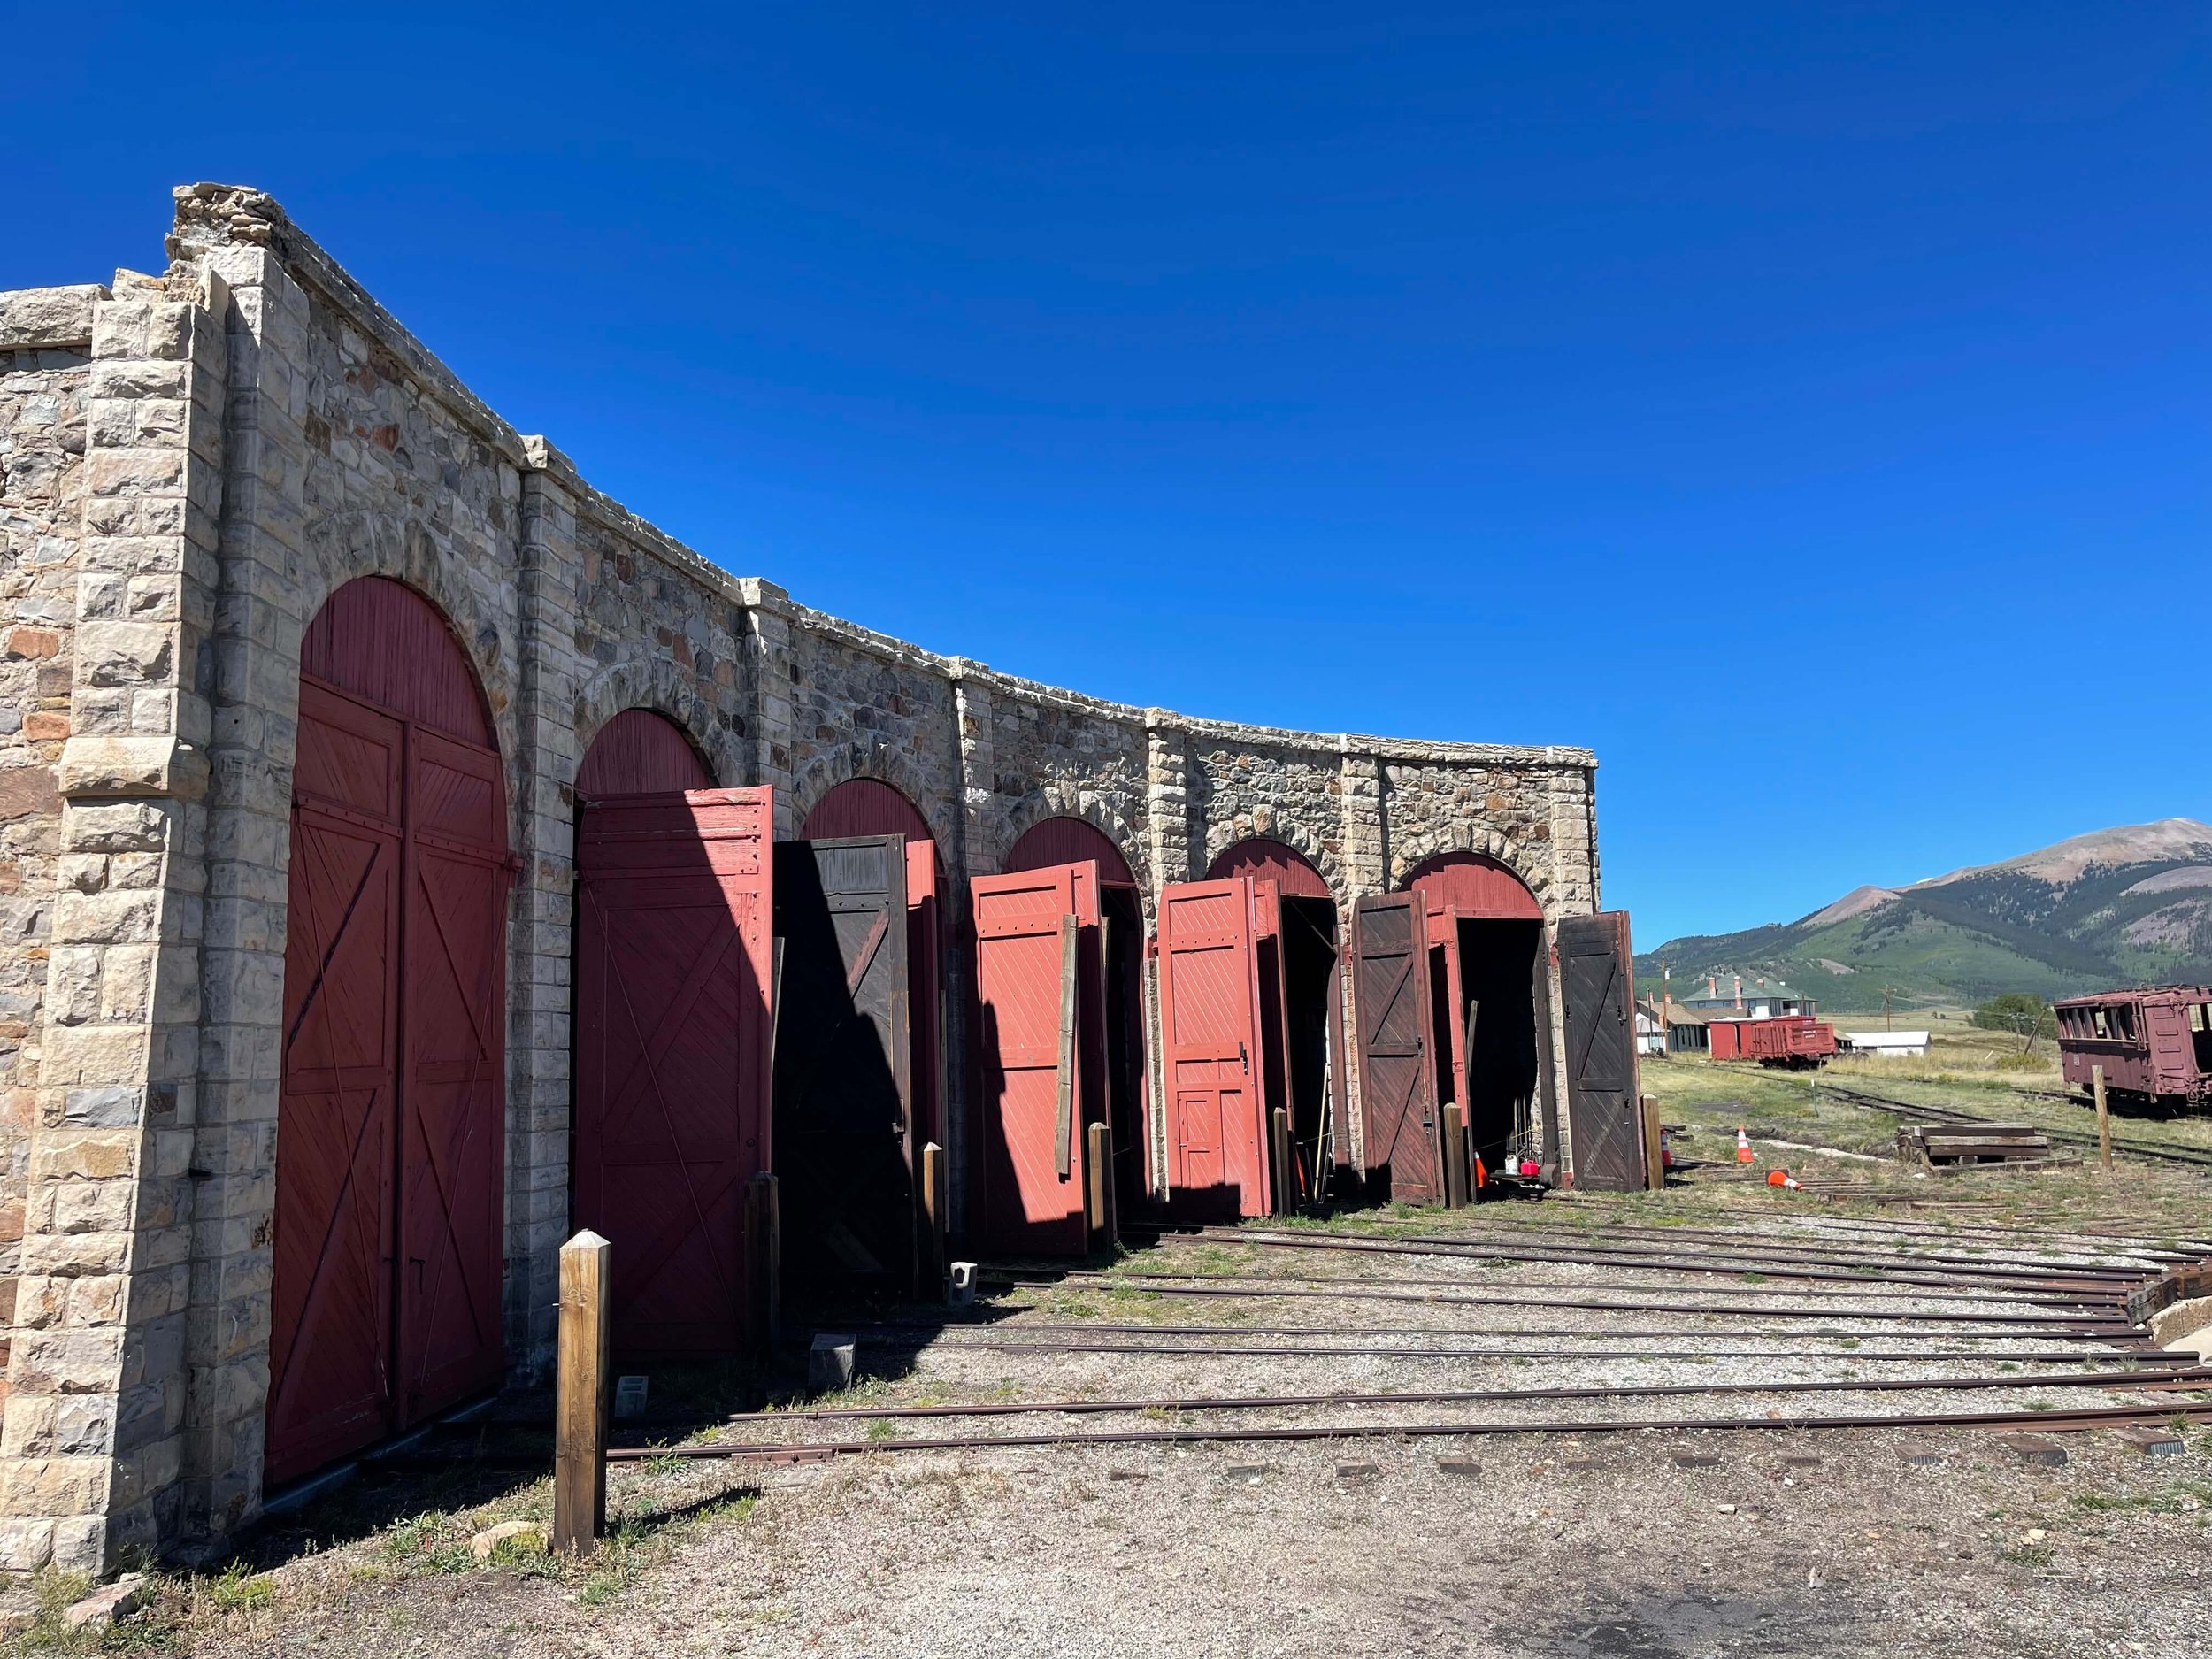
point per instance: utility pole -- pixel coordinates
(1885, 991)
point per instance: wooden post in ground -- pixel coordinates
(580, 1445)
(1098, 1198)
(2104, 1117)
(933, 1240)
(764, 1242)
(1286, 1182)
(1454, 1157)
(1655, 1158)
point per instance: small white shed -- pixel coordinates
(1887, 1042)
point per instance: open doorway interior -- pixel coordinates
(1122, 923)
(1298, 968)
(1497, 1016)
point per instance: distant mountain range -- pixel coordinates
(2126, 906)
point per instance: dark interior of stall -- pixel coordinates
(1496, 968)
(845, 1198)
(1123, 919)
(1297, 990)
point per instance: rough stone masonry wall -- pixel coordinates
(45, 354)
(253, 431)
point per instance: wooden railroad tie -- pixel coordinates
(1941, 1145)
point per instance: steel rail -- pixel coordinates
(1723, 1261)
(2198, 1156)
(1813, 1250)
(930, 1333)
(1163, 1284)
(1910, 1316)
(823, 1450)
(1628, 1260)
(1345, 1351)
(2196, 1375)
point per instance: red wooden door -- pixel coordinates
(672, 963)
(330, 1386)
(1390, 994)
(1448, 1008)
(452, 1139)
(1035, 945)
(1211, 1046)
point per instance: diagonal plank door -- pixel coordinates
(330, 1385)
(452, 1145)
(1036, 946)
(1391, 998)
(672, 955)
(1605, 1124)
(1212, 1048)
(843, 1083)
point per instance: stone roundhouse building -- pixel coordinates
(192, 464)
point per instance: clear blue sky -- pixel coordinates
(1804, 407)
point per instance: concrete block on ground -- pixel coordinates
(1357, 1472)
(2035, 1448)
(1463, 1466)
(2154, 1442)
(829, 1362)
(1924, 1454)
(1695, 1460)
(1250, 1474)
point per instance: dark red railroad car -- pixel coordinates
(1793, 1039)
(2155, 1045)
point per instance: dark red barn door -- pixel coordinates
(673, 961)
(1605, 1123)
(384, 1305)
(330, 1381)
(452, 1139)
(1391, 995)
(1212, 1048)
(1036, 971)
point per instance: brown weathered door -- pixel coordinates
(1604, 1122)
(672, 954)
(843, 1083)
(1390, 994)
(1036, 946)
(1213, 1048)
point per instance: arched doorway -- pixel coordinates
(385, 1306)
(672, 972)
(1301, 1011)
(641, 752)
(1030, 1166)
(858, 1040)
(868, 806)
(1487, 984)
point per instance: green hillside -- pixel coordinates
(2120, 907)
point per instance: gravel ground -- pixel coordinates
(1569, 1541)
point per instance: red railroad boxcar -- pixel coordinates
(1793, 1040)
(2156, 1046)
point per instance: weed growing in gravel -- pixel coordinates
(238, 1590)
(51, 1593)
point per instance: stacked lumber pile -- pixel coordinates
(1958, 1145)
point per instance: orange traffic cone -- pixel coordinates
(1743, 1145)
(1783, 1178)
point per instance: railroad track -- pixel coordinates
(2195, 1157)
